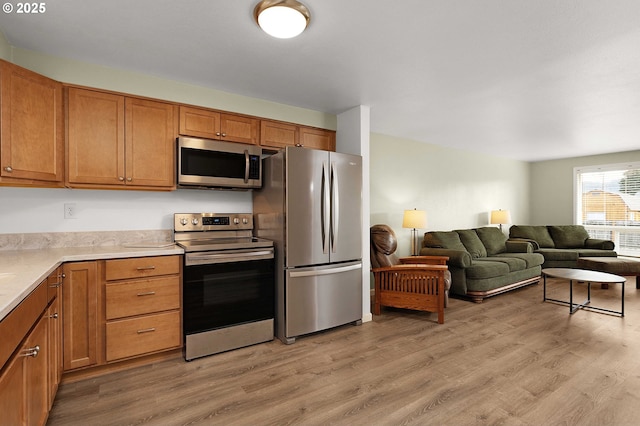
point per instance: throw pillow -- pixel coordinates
(540, 234)
(493, 239)
(446, 240)
(569, 236)
(473, 244)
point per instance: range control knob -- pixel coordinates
(245, 220)
(184, 221)
(195, 221)
(236, 221)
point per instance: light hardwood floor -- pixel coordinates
(512, 360)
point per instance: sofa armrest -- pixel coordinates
(596, 243)
(534, 243)
(514, 246)
(457, 258)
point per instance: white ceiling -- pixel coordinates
(524, 79)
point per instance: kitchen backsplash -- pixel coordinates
(43, 240)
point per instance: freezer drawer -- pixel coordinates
(322, 297)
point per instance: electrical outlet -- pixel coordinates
(70, 211)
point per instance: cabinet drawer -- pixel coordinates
(140, 267)
(142, 297)
(137, 336)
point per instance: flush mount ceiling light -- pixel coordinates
(282, 18)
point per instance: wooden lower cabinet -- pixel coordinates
(24, 379)
(80, 305)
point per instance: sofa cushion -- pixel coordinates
(472, 243)
(540, 234)
(493, 240)
(531, 259)
(513, 263)
(585, 252)
(447, 240)
(482, 269)
(569, 236)
(558, 254)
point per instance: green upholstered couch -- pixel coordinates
(483, 262)
(562, 245)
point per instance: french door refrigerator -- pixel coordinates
(310, 205)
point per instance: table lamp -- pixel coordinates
(500, 217)
(414, 219)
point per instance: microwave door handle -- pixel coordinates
(246, 166)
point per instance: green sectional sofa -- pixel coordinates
(562, 245)
(483, 262)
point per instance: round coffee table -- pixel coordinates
(582, 275)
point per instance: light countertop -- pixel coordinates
(21, 271)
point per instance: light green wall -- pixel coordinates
(86, 74)
(552, 186)
(457, 188)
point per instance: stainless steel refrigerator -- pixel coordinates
(310, 205)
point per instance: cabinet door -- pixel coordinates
(278, 135)
(318, 138)
(95, 138)
(31, 139)
(150, 143)
(237, 128)
(80, 321)
(199, 122)
(54, 353)
(13, 392)
(35, 352)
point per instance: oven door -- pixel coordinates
(226, 293)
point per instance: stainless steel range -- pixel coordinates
(228, 283)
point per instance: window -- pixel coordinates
(607, 203)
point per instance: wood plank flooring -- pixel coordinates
(512, 360)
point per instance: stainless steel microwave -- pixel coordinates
(216, 164)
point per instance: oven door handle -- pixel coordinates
(210, 258)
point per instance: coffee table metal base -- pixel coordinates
(582, 276)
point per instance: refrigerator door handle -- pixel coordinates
(298, 274)
(324, 208)
(335, 207)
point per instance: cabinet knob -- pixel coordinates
(8, 169)
(129, 179)
(54, 316)
(299, 145)
(224, 135)
(217, 133)
(121, 178)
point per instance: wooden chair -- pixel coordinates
(416, 282)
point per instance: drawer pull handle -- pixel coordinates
(32, 351)
(147, 330)
(148, 293)
(55, 285)
(145, 268)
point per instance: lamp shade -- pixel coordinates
(282, 18)
(500, 217)
(416, 219)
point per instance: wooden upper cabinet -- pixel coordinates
(118, 140)
(150, 137)
(32, 122)
(95, 137)
(274, 134)
(311, 137)
(204, 123)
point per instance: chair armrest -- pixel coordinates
(425, 260)
(596, 243)
(457, 258)
(514, 246)
(533, 243)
